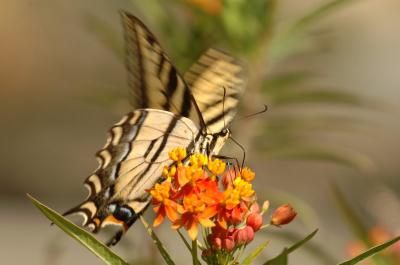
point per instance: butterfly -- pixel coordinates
(168, 107)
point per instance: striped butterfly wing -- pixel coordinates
(130, 163)
(216, 83)
(153, 80)
(155, 83)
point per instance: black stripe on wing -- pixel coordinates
(153, 80)
(130, 163)
(213, 75)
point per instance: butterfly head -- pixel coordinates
(217, 140)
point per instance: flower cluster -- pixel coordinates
(202, 192)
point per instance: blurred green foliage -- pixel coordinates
(249, 30)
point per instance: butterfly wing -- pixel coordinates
(153, 80)
(130, 163)
(216, 83)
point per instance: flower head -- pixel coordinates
(201, 193)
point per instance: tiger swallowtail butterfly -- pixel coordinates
(168, 107)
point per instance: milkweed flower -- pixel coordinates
(204, 194)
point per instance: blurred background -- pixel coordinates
(328, 71)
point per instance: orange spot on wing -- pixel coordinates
(112, 219)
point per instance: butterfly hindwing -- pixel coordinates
(130, 163)
(216, 83)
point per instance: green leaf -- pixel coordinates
(314, 249)
(157, 242)
(292, 39)
(302, 242)
(348, 213)
(83, 237)
(342, 157)
(254, 254)
(370, 252)
(282, 258)
(316, 96)
(318, 13)
(285, 81)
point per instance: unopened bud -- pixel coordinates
(205, 254)
(255, 208)
(265, 207)
(283, 215)
(255, 221)
(228, 243)
(243, 235)
(214, 241)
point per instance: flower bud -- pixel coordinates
(255, 208)
(214, 241)
(283, 215)
(255, 221)
(250, 233)
(243, 235)
(265, 207)
(205, 254)
(228, 243)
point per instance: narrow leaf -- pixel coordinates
(254, 254)
(157, 242)
(316, 96)
(314, 15)
(285, 81)
(315, 249)
(82, 236)
(354, 222)
(281, 259)
(302, 242)
(342, 157)
(370, 252)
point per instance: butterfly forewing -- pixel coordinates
(153, 80)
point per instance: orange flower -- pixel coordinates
(247, 174)
(189, 174)
(164, 205)
(216, 166)
(194, 212)
(177, 154)
(212, 7)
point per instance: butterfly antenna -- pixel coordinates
(243, 149)
(202, 122)
(257, 113)
(223, 106)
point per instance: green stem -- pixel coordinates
(265, 226)
(194, 252)
(184, 240)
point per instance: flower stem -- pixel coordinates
(194, 252)
(184, 240)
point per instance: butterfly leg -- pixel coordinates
(228, 158)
